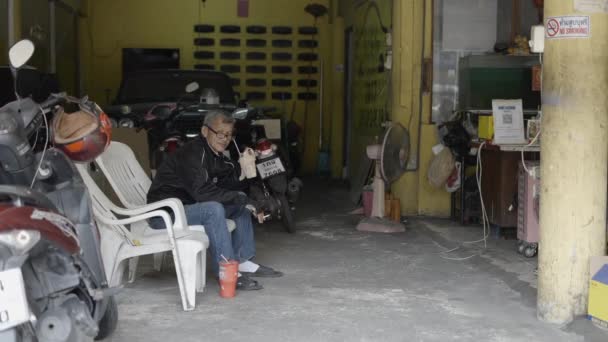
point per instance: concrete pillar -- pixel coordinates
(574, 157)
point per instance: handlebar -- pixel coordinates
(54, 100)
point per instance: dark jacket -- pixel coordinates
(195, 173)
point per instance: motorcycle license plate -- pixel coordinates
(270, 168)
(14, 308)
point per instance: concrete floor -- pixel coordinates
(343, 285)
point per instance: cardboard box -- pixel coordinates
(598, 291)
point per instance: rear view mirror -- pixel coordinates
(20, 53)
(240, 113)
(192, 87)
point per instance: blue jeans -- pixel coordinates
(238, 245)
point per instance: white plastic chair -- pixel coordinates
(127, 178)
(118, 244)
(131, 184)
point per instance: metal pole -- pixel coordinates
(78, 86)
(321, 107)
(53, 38)
(11, 23)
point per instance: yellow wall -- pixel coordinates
(111, 25)
(416, 195)
(29, 13)
(370, 104)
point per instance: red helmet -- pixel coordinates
(82, 135)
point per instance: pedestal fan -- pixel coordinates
(391, 158)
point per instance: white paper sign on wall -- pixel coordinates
(569, 26)
(508, 122)
(591, 6)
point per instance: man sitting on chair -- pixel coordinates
(207, 182)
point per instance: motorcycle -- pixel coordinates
(52, 281)
(162, 124)
(274, 187)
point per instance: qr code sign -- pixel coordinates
(507, 119)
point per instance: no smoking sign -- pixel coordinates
(552, 27)
(568, 27)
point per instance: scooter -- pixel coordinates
(274, 187)
(270, 187)
(52, 281)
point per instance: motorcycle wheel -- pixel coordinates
(286, 215)
(108, 322)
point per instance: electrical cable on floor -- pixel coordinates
(441, 254)
(484, 214)
(451, 250)
(478, 176)
(485, 220)
(459, 259)
(446, 249)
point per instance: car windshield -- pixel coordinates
(170, 86)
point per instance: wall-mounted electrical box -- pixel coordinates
(537, 39)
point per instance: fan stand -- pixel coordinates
(377, 223)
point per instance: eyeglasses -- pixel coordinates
(221, 136)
